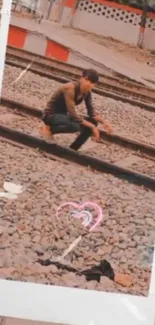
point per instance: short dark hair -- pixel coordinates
(91, 74)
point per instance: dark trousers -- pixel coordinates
(64, 124)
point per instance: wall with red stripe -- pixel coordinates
(29, 41)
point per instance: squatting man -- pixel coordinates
(60, 115)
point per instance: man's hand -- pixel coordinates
(96, 134)
(107, 126)
(95, 131)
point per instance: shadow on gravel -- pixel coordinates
(93, 273)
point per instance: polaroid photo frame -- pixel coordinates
(53, 304)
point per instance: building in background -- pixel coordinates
(129, 21)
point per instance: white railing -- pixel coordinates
(31, 6)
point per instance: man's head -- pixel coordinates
(89, 79)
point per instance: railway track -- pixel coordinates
(118, 89)
(101, 165)
(126, 233)
(114, 138)
(127, 230)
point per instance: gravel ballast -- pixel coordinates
(29, 227)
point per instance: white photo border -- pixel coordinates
(5, 14)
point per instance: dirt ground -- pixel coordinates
(130, 51)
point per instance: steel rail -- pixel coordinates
(76, 157)
(113, 138)
(99, 91)
(115, 76)
(16, 60)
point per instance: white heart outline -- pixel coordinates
(86, 214)
(82, 206)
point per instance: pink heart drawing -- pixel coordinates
(83, 213)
